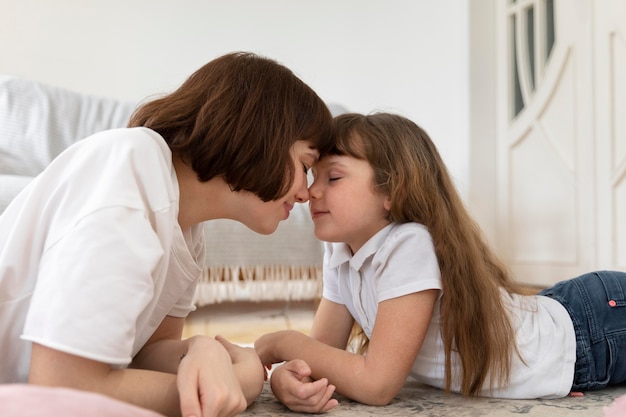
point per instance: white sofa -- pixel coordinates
(39, 121)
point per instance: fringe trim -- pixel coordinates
(258, 283)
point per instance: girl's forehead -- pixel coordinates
(331, 161)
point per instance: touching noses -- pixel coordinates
(302, 192)
(314, 191)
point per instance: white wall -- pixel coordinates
(405, 56)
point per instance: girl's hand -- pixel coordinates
(292, 385)
(207, 383)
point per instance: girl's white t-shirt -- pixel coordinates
(399, 260)
(92, 258)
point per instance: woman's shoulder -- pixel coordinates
(134, 139)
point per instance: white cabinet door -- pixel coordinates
(610, 115)
(546, 205)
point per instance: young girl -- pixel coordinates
(100, 254)
(409, 265)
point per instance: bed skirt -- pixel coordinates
(259, 283)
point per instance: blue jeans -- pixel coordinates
(596, 303)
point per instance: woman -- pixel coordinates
(100, 254)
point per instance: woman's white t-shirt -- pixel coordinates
(92, 258)
(399, 260)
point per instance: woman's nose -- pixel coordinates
(302, 193)
(314, 190)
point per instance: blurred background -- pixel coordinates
(526, 99)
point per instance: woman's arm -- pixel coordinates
(164, 352)
(398, 334)
(148, 389)
(207, 382)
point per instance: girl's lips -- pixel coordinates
(317, 213)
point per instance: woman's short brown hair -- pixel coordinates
(237, 117)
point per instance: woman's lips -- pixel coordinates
(288, 207)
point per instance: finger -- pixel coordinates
(313, 391)
(188, 394)
(299, 367)
(223, 341)
(232, 349)
(319, 404)
(332, 403)
(328, 402)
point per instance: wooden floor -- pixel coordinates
(244, 322)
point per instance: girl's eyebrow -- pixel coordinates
(334, 162)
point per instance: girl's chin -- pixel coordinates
(326, 237)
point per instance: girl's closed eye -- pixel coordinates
(334, 175)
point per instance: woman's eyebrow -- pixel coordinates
(313, 155)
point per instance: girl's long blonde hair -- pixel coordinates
(408, 167)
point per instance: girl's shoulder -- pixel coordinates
(407, 231)
(409, 238)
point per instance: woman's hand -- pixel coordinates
(207, 383)
(248, 368)
(239, 354)
(292, 385)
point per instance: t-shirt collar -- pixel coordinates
(342, 253)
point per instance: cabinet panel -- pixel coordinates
(546, 210)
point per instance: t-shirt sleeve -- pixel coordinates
(185, 304)
(406, 264)
(94, 282)
(330, 278)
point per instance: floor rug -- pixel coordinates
(419, 400)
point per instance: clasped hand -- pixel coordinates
(207, 381)
(292, 384)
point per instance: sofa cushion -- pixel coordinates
(10, 185)
(38, 121)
